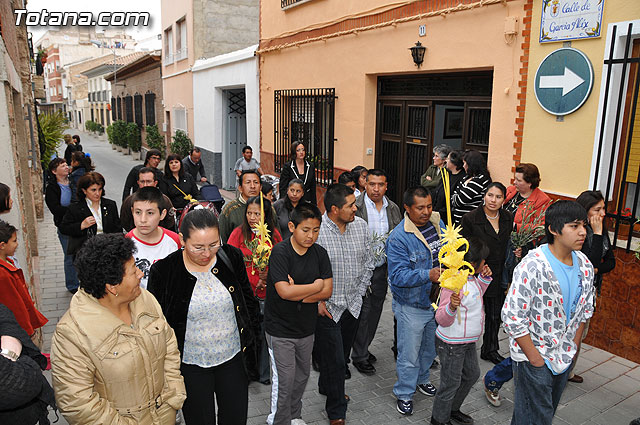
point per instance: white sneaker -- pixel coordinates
(298, 421)
(492, 396)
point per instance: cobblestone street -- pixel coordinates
(610, 394)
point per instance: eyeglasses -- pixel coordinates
(210, 248)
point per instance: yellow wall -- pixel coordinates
(563, 150)
(461, 41)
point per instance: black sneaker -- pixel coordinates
(404, 407)
(427, 389)
(372, 358)
(461, 418)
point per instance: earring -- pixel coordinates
(116, 294)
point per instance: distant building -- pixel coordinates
(137, 94)
(99, 89)
(70, 45)
(212, 37)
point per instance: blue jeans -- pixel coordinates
(70, 274)
(537, 394)
(416, 348)
(499, 375)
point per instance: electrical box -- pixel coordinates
(511, 25)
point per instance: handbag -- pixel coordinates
(76, 242)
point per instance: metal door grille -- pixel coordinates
(617, 210)
(307, 116)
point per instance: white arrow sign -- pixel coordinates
(567, 82)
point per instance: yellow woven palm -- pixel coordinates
(263, 250)
(451, 254)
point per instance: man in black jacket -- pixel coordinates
(26, 392)
(193, 165)
(152, 159)
(382, 216)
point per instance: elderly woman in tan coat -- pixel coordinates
(115, 359)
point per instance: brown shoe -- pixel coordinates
(577, 379)
(337, 422)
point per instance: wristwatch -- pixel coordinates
(9, 354)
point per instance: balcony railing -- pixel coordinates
(167, 59)
(286, 4)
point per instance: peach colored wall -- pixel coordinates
(462, 41)
(178, 89)
(574, 137)
(275, 21)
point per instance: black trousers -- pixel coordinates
(229, 384)
(370, 313)
(333, 343)
(492, 322)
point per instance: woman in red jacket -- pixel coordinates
(525, 188)
(13, 288)
(241, 237)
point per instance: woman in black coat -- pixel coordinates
(58, 196)
(90, 214)
(491, 223)
(299, 168)
(177, 183)
(206, 298)
(25, 391)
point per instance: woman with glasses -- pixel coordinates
(299, 168)
(207, 299)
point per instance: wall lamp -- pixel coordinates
(417, 52)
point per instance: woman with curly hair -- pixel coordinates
(115, 358)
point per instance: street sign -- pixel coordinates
(563, 81)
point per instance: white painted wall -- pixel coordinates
(233, 70)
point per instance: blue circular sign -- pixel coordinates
(563, 81)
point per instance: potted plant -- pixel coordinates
(181, 144)
(133, 139)
(154, 139)
(52, 127)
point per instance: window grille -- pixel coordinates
(137, 104)
(307, 116)
(150, 108)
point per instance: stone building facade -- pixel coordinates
(20, 157)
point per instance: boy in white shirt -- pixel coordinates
(153, 242)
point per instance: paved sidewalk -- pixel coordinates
(610, 394)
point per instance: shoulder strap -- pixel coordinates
(226, 260)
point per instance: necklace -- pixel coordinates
(494, 217)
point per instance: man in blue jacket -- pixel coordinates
(412, 257)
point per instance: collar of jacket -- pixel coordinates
(99, 324)
(295, 170)
(479, 218)
(8, 265)
(410, 227)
